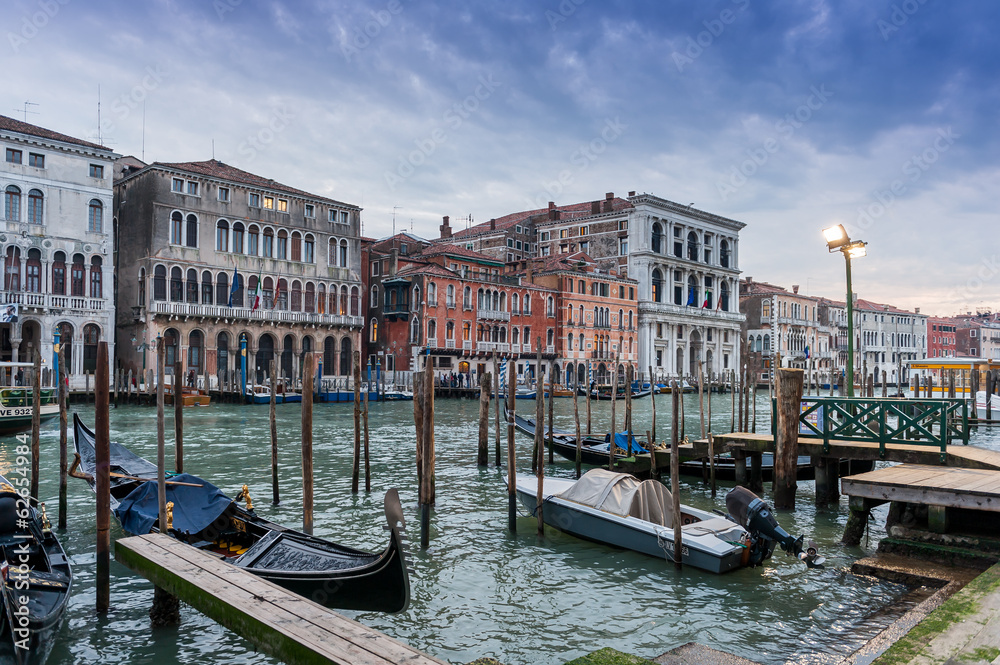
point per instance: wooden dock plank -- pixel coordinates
(975, 489)
(277, 621)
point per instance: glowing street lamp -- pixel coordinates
(837, 240)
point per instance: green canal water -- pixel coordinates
(478, 591)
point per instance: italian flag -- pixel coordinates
(256, 294)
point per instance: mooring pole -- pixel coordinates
(787, 437)
(652, 403)
(36, 422)
(273, 421)
(102, 478)
(483, 457)
(356, 469)
(552, 394)
(166, 608)
(539, 462)
(307, 444)
(63, 450)
(614, 425)
(368, 465)
(511, 460)
(675, 469)
(427, 481)
(178, 416)
(496, 393)
(579, 441)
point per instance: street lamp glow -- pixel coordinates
(857, 250)
(836, 236)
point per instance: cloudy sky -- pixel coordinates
(790, 116)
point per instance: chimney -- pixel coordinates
(631, 194)
(493, 224)
(916, 310)
(595, 207)
(552, 205)
(445, 228)
(749, 279)
(609, 196)
(795, 288)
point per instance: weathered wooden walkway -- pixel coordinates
(278, 622)
(974, 489)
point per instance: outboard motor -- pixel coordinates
(749, 511)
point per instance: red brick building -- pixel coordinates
(941, 337)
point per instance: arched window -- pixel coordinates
(309, 249)
(282, 251)
(657, 285)
(432, 332)
(95, 218)
(91, 337)
(570, 341)
(414, 331)
(692, 242)
(416, 298)
(191, 236)
(692, 291)
(724, 253)
(59, 275)
(767, 342)
(176, 285)
(343, 263)
(282, 294)
(159, 283)
(191, 292)
(176, 227)
(725, 296)
(550, 307)
(330, 355)
(342, 307)
(432, 295)
(76, 275)
(527, 303)
(450, 300)
(222, 236)
(345, 356)
(449, 330)
(296, 246)
(310, 300)
(355, 301)
(237, 294)
(12, 203)
(268, 295)
(96, 277)
(35, 198)
(320, 298)
(267, 249)
(621, 319)
(467, 298)
(514, 302)
(373, 301)
(238, 232)
(33, 271)
(206, 287)
(296, 296)
(253, 240)
(222, 355)
(514, 335)
(222, 289)
(657, 238)
(373, 327)
(467, 331)
(549, 337)
(195, 351)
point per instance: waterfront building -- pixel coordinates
(56, 243)
(941, 336)
(789, 325)
(978, 335)
(454, 305)
(685, 262)
(199, 241)
(595, 315)
(887, 339)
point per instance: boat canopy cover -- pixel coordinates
(621, 494)
(195, 508)
(626, 441)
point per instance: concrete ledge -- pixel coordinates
(693, 653)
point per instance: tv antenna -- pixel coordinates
(25, 110)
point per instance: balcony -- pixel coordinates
(432, 342)
(245, 313)
(467, 345)
(491, 315)
(449, 344)
(50, 301)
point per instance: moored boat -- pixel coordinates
(17, 402)
(189, 396)
(258, 394)
(204, 517)
(37, 577)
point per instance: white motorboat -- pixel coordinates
(619, 510)
(981, 405)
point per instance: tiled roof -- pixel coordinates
(213, 168)
(13, 125)
(439, 248)
(504, 223)
(425, 269)
(384, 245)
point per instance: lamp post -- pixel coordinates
(837, 240)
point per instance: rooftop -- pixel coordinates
(14, 125)
(572, 211)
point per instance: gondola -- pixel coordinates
(37, 577)
(594, 452)
(330, 574)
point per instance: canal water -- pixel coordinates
(478, 591)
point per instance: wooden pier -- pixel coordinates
(278, 622)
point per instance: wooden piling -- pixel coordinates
(102, 477)
(86, 387)
(484, 420)
(787, 437)
(496, 393)
(990, 387)
(161, 435)
(588, 396)
(511, 460)
(539, 462)
(629, 375)
(738, 388)
(711, 461)
(675, 471)
(701, 396)
(579, 440)
(364, 422)
(427, 480)
(118, 381)
(273, 422)
(128, 388)
(652, 404)
(307, 443)
(885, 384)
(356, 469)
(552, 394)
(178, 418)
(418, 424)
(614, 424)
(951, 383)
(732, 398)
(63, 450)
(36, 422)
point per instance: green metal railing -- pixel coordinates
(923, 422)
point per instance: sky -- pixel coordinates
(790, 116)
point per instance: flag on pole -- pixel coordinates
(236, 285)
(277, 292)
(706, 304)
(718, 306)
(256, 295)
(690, 302)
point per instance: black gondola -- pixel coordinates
(36, 577)
(330, 574)
(594, 452)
